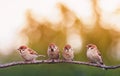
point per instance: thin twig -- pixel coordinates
(56, 62)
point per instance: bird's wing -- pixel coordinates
(99, 57)
(32, 51)
(98, 52)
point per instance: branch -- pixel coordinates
(56, 62)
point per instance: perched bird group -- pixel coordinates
(53, 52)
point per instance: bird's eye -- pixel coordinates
(92, 48)
(22, 49)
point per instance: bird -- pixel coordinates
(94, 55)
(28, 54)
(53, 52)
(68, 53)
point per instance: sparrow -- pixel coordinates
(94, 55)
(53, 52)
(28, 54)
(68, 53)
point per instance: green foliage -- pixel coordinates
(57, 70)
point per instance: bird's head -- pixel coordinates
(22, 48)
(67, 47)
(52, 47)
(91, 46)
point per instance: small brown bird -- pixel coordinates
(53, 52)
(68, 53)
(94, 55)
(28, 54)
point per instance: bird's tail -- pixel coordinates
(103, 65)
(41, 55)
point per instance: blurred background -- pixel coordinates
(36, 23)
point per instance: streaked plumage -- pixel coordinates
(28, 54)
(53, 52)
(68, 53)
(93, 54)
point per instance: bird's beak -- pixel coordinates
(87, 46)
(52, 49)
(66, 50)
